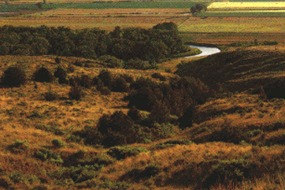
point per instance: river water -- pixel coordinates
(205, 50)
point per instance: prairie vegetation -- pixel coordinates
(107, 108)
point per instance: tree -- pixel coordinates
(197, 8)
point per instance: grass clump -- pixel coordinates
(47, 155)
(18, 146)
(122, 152)
(57, 143)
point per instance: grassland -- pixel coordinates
(236, 141)
(176, 162)
(208, 30)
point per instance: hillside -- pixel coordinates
(43, 134)
(237, 70)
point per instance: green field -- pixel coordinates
(99, 5)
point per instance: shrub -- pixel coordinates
(226, 171)
(77, 174)
(135, 114)
(171, 143)
(18, 146)
(186, 120)
(14, 77)
(142, 174)
(127, 78)
(85, 81)
(159, 113)
(140, 64)
(229, 133)
(166, 26)
(60, 73)
(50, 128)
(106, 77)
(143, 98)
(57, 60)
(75, 93)
(111, 61)
(57, 143)
(50, 96)
(123, 152)
(104, 90)
(120, 85)
(43, 75)
(158, 76)
(275, 89)
(47, 155)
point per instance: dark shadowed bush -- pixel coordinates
(122, 152)
(275, 89)
(57, 60)
(106, 77)
(111, 61)
(43, 75)
(159, 113)
(50, 96)
(60, 73)
(142, 174)
(14, 77)
(120, 85)
(158, 76)
(75, 93)
(85, 81)
(177, 96)
(135, 114)
(186, 120)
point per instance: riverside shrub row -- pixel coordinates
(162, 41)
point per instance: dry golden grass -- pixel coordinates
(18, 104)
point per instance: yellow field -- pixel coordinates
(247, 5)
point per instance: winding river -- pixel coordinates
(205, 50)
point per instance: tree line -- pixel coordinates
(161, 41)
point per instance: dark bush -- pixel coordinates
(139, 64)
(120, 85)
(60, 73)
(106, 77)
(127, 78)
(123, 152)
(50, 96)
(57, 60)
(116, 129)
(111, 61)
(104, 90)
(14, 77)
(275, 89)
(228, 171)
(166, 26)
(85, 81)
(135, 114)
(57, 143)
(143, 98)
(142, 174)
(186, 120)
(18, 146)
(158, 76)
(75, 93)
(43, 75)
(159, 113)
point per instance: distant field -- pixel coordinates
(246, 9)
(100, 5)
(246, 6)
